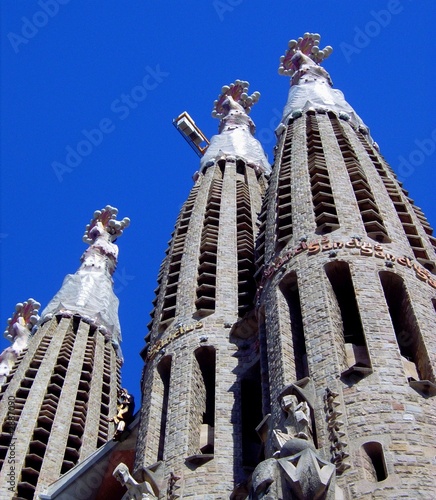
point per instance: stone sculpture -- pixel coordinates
(135, 490)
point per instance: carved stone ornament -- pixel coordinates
(299, 473)
(18, 332)
(296, 470)
(307, 45)
(135, 490)
(236, 92)
(235, 140)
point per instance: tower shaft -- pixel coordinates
(347, 303)
(193, 377)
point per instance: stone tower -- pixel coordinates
(196, 366)
(61, 375)
(346, 307)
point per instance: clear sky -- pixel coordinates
(127, 68)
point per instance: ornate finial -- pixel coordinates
(26, 315)
(308, 45)
(105, 218)
(17, 331)
(238, 91)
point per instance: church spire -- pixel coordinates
(60, 381)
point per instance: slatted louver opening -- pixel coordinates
(21, 394)
(396, 195)
(245, 245)
(372, 220)
(260, 240)
(284, 196)
(206, 284)
(157, 291)
(176, 254)
(74, 443)
(41, 433)
(326, 216)
(103, 428)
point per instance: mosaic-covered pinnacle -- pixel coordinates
(238, 91)
(308, 45)
(89, 292)
(26, 315)
(106, 218)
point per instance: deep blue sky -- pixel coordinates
(66, 72)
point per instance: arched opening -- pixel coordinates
(289, 288)
(264, 364)
(251, 414)
(413, 352)
(374, 464)
(164, 371)
(204, 398)
(356, 352)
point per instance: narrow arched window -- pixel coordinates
(357, 360)
(163, 389)
(413, 352)
(251, 416)
(289, 288)
(202, 412)
(374, 464)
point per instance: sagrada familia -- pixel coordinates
(291, 352)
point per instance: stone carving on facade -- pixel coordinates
(135, 490)
(297, 422)
(18, 331)
(296, 471)
(125, 407)
(173, 487)
(334, 424)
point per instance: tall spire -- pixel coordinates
(345, 312)
(89, 291)
(60, 380)
(311, 85)
(236, 129)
